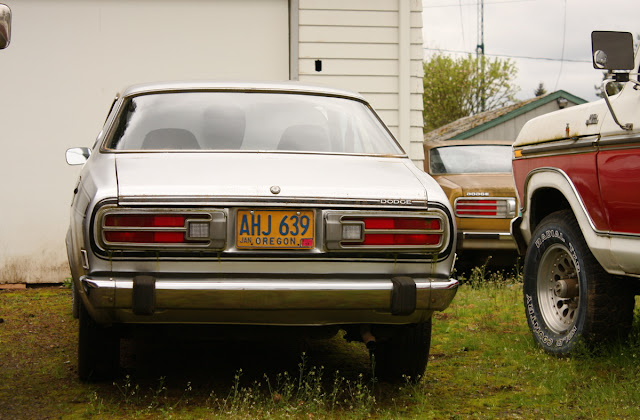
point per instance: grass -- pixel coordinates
(483, 364)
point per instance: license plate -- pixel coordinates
(275, 229)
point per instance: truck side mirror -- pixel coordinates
(612, 50)
(5, 26)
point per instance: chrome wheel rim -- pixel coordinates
(558, 289)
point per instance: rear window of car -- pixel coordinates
(249, 121)
(470, 159)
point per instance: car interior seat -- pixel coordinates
(304, 137)
(224, 127)
(170, 138)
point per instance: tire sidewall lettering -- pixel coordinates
(535, 325)
(549, 234)
(545, 337)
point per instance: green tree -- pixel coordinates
(459, 87)
(540, 90)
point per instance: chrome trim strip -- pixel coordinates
(627, 140)
(85, 259)
(573, 190)
(222, 151)
(502, 236)
(561, 145)
(270, 285)
(229, 201)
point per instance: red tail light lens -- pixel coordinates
(148, 228)
(398, 231)
(477, 208)
(494, 207)
(401, 223)
(144, 237)
(140, 220)
(400, 239)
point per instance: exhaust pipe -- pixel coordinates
(367, 338)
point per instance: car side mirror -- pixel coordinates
(5, 26)
(78, 155)
(612, 50)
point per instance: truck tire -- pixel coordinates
(98, 349)
(404, 355)
(568, 297)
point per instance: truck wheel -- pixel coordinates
(98, 349)
(568, 297)
(404, 355)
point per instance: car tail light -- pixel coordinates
(141, 220)
(149, 228)
(144, 237)
(494, 207)
(391, 232)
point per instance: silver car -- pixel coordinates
(256, 204)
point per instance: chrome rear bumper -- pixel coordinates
(485, 241)
(261, 301)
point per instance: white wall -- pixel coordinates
(66, 61)
(373, 47)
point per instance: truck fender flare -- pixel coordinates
(547, 177)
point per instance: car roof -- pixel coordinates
(468, 142)
(276, 87)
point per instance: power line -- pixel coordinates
(461, 21)
(436, 6)
(567, 60)
(564, 36)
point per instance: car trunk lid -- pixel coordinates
(285, 176)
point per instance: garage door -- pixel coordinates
(66, 61)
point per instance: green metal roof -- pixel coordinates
(526, 107)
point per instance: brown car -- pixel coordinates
(476, 176)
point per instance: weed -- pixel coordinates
(129, 391)
(96, 405)
(305, 395)
(158, 395)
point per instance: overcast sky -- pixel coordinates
(544, 29)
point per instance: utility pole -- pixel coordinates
(480, 52)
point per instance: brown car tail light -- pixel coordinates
(156, 229)
(385, 232)
(494, 207)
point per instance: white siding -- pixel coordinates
(362, 48)
(66, 61)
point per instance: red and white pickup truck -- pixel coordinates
(577, 173)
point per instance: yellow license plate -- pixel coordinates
(275, 229)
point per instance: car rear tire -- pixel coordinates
(75, 300)
(568, 297)
(98, 349)
(404, 355)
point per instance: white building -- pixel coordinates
(68, 58)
